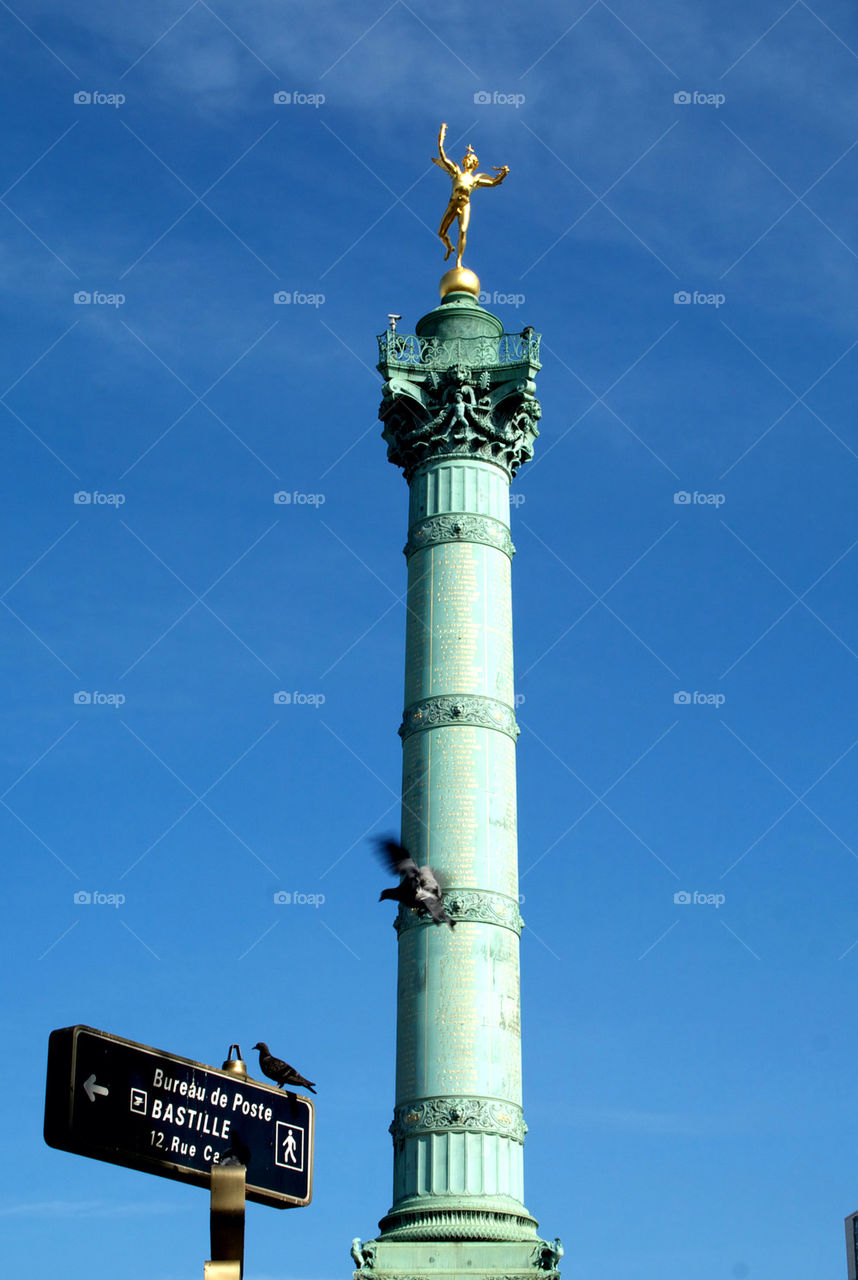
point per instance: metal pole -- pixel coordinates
(227, 1221)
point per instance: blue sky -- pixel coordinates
(688, 1068)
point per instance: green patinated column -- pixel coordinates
(459, 414)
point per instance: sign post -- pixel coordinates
(227, 1223)
(116, 1100)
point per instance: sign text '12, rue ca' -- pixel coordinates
(129, 1104)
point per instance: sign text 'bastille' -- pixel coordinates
(115, 1100)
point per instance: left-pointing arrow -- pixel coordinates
(92, 1088)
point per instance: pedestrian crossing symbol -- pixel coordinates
(290, 1146)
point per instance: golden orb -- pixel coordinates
(460, 280)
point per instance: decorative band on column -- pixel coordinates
(459, 708)
(441, 1115)
(478, 906)
(459, 528)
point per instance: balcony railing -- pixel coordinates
(439, 353)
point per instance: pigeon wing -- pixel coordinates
(397, 858)
(429, 882)
(277, 1068)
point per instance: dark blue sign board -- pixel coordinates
(129, 1104)
(852, 1245)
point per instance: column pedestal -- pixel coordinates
(460, 1260)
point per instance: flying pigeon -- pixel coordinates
(419, 887)
(278, 1070)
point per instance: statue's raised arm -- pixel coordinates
(442, 160)
(465, 180)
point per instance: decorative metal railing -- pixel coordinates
(439, 353)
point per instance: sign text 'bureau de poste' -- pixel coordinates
(115, 1100)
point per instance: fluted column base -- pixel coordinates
(460, 1163)
(452, 1217)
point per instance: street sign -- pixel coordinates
(126, 1103)
(852, 1245)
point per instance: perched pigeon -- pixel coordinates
(419, 887)
(277, 1069)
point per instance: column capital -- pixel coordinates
(451, 393)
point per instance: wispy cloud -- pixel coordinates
(634, 1120)
(87, 1209)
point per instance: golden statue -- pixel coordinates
(465, 180)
